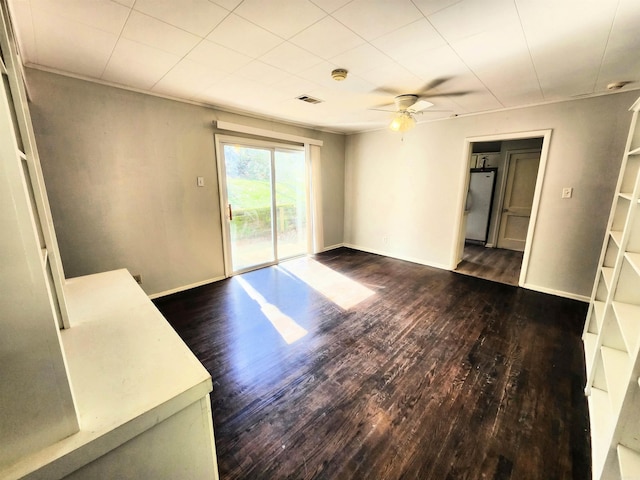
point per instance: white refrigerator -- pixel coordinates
(479, 203)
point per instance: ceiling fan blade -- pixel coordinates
(434, 83)
(447, 94)
(383, 106)
(386, 91)
(419, 106)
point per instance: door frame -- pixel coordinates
(223, 195)
(459, 231)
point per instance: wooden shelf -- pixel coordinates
(590, 341)
(599, 309)
(617, 368)
(616, 235)
(599, 416)
(628, 317)
(607, 274)
(634, 261)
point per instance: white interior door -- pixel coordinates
(522, 172)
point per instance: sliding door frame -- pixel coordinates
(220, 141)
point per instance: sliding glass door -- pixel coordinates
(264, 192)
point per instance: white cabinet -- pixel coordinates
(612, 330)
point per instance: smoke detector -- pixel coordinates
(616, 85)
(339, 74)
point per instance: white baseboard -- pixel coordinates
(153, 296)
(557, 293)
(398, 257)
(333, 247)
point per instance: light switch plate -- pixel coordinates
(567, 192)
(201, 181)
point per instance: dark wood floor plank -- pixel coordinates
(496, 264)
(435, 376)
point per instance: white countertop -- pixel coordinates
(128, 369)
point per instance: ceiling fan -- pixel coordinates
(409, 104)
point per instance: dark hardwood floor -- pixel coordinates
(432, 375)
(496, 264)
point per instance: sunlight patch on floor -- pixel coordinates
(341, 290)
(287, 327)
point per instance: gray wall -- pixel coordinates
(120, 169)
(403, 196)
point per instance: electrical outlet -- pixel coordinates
(567, 192)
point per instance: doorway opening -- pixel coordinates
(502, 186)
(265, 197)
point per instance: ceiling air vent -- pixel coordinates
(308, 99)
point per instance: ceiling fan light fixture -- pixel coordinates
(402, 122)
(339, 74)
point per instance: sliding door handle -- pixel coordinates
(230, 213)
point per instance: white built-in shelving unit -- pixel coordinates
(612, 330)
(20, 139)
(94, 381)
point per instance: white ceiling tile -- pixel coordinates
(410, 40)
(243, 36)
(71, 46)
(284, 18)
(290, 58)
(465, 91)
(621, 61)
(567, 57)
(374, 19)
(228, 4)
(126, 3)
(485, 52)
(155, 33)
(209, 53)
(545, 21)
(438, 63)
(101, 14)
(244, 94)
(428, 7)
(293, 87)
(261, 72)
(330, 5)
(327, 38)
(195, 16)
(188, 78)
(363, 59)
(138, 65)
(395, 77)
(470, 17)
